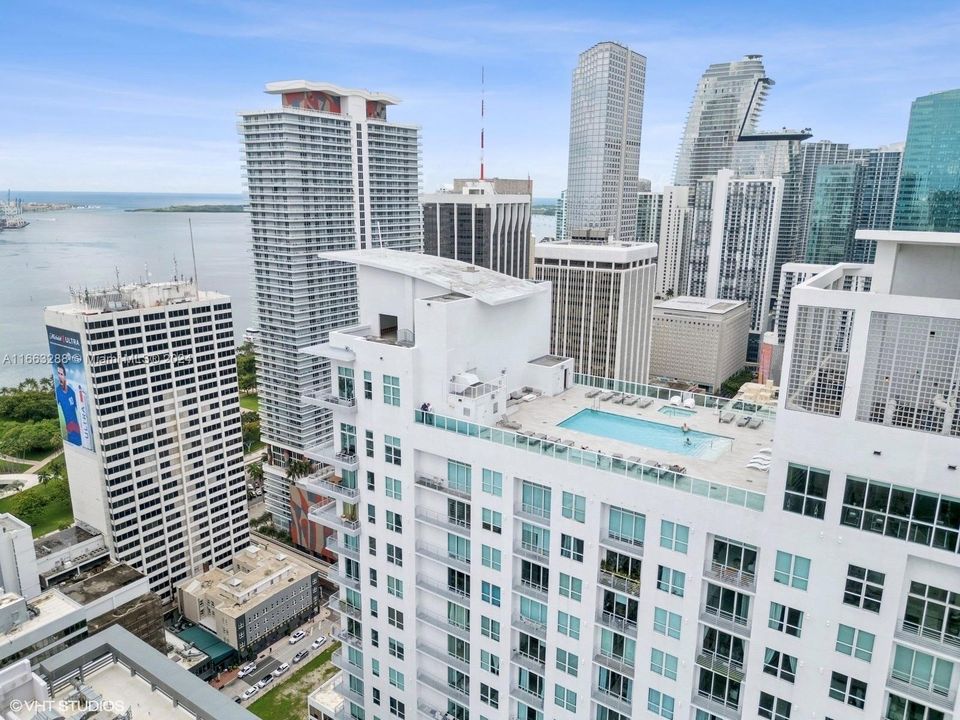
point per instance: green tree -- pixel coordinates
(246, 368)
(255, 471)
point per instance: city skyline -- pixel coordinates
(132, 117)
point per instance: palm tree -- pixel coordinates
(255, 471)
(298, 469)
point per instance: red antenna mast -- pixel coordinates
(482, 116)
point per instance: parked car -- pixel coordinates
(267, 679)
(281, 670)
(247, 669)
(297, 637)
(250, 692)
(300, 656)
(318, 643)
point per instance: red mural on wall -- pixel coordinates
(376, 110)
(305, 534)
(312, 100)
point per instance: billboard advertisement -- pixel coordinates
(70, 387)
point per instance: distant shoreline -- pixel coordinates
(193, 208)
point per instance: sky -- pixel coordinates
(143, 96)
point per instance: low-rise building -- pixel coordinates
(260, 597)
(326, 702)
(68, 553)
(699, 340)
(36, 629)
(18, 570)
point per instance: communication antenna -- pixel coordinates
(176, 271)
(193, 253)
(482, 114)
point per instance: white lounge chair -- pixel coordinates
(592, 393)
(630, 400)
(645, 402)
(689, 403)
(742, 422)
(606, 396)
(765, 451)
(675, 400)
(727, 417)
(755, 423)
(758, 466)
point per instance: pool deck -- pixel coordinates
(544, 414)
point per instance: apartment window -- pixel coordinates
(660, 703)
(564, 698)
(371, 544)
(458, 476)
(398, 708)
(393, 488)
(626, 526)
(574, 506)
(667, 623)
(391, 390)
(395, 618)
(458, 548)
(734, 560)
(490, 628)
(847, 689)
(773, 707)
(374, 608)
(671, 581)
(489, 662)
(371, 481)
(571, 587)
(492, 520)
(492, 482)
(719, 688)
(785, 619)
(348, 439)
(806, 492)
(792, 570)
(864, 588)
(395, 555)
(395, 587)
(535, 612)
(856, 643)
(368, 442)
(615, 684)
(367, 385)
(567, 662)
(933, 613)
(674, 536)
(490, 593)
(491, 557)
(396, 649)
(727, 604)
(371, 514)
(458, 582)
(391, 449)
(899, 708)
(489, 695)
(535, 499)
(929, 673)
(396, 679)
(459, 649)
(394, 521)
(780, 665)
(535, 539)
(663, 663)
(568, 625)
(571, 547)
(373, 577)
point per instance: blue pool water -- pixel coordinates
(677, 411)
(648, 434)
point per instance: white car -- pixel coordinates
(281, 670)
(297, 637)
(318, 642)
(247, 669)
(267, 679)
(250, 692)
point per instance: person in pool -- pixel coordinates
(67, 402)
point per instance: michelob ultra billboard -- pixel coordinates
(70, 387)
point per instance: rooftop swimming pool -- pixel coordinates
(648, 434)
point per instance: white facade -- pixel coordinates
(324, 171)
(606, 116)
(523, 567)
(791, 275)
(699, 340)
(673, 223)
(164, 480)
(18, 561)
(602, 301)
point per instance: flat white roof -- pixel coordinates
(51, 606)
(287, 86)
(606, 252)
(487, 286)
(911, 237)
(699, 304)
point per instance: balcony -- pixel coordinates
(533, 513)
(444, 624)
(325, 513)
(614, 542)
(443, 521)
(329, 487)
(615, 663)
(731, 576)
(460, 695)
(528, 661)
(445, 591)
(354, 641)
(432, 482)
(526, 696)
(328, 455)
(616, 622)
(621, 583)
(331, 401)
(928, 638)
(530, 589)
(442, 555)
(443, 656)
(344, 580)
(929, 693)
(531, 627)
(350, 694)
(612, 701)
(531, 551)
(340, 549)
(428, 712)
(721, 664)
(721, 708)
(726, 621)
(346, 608)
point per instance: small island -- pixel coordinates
(194, 208)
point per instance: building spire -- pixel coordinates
(482, 115)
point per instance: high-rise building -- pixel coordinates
(734, 237)
(324, 171)
(673, 220)
(834, 212)
(881, 183)
(726, 103)
(562, 216)
(602, 301)
(606, 115)
(649, 208)
(812, 156)
(929, 197)
(146, 383)
(536, 551)
(791, 275)
(481, 226)
(18, 561)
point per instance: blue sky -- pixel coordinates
(142, 96)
